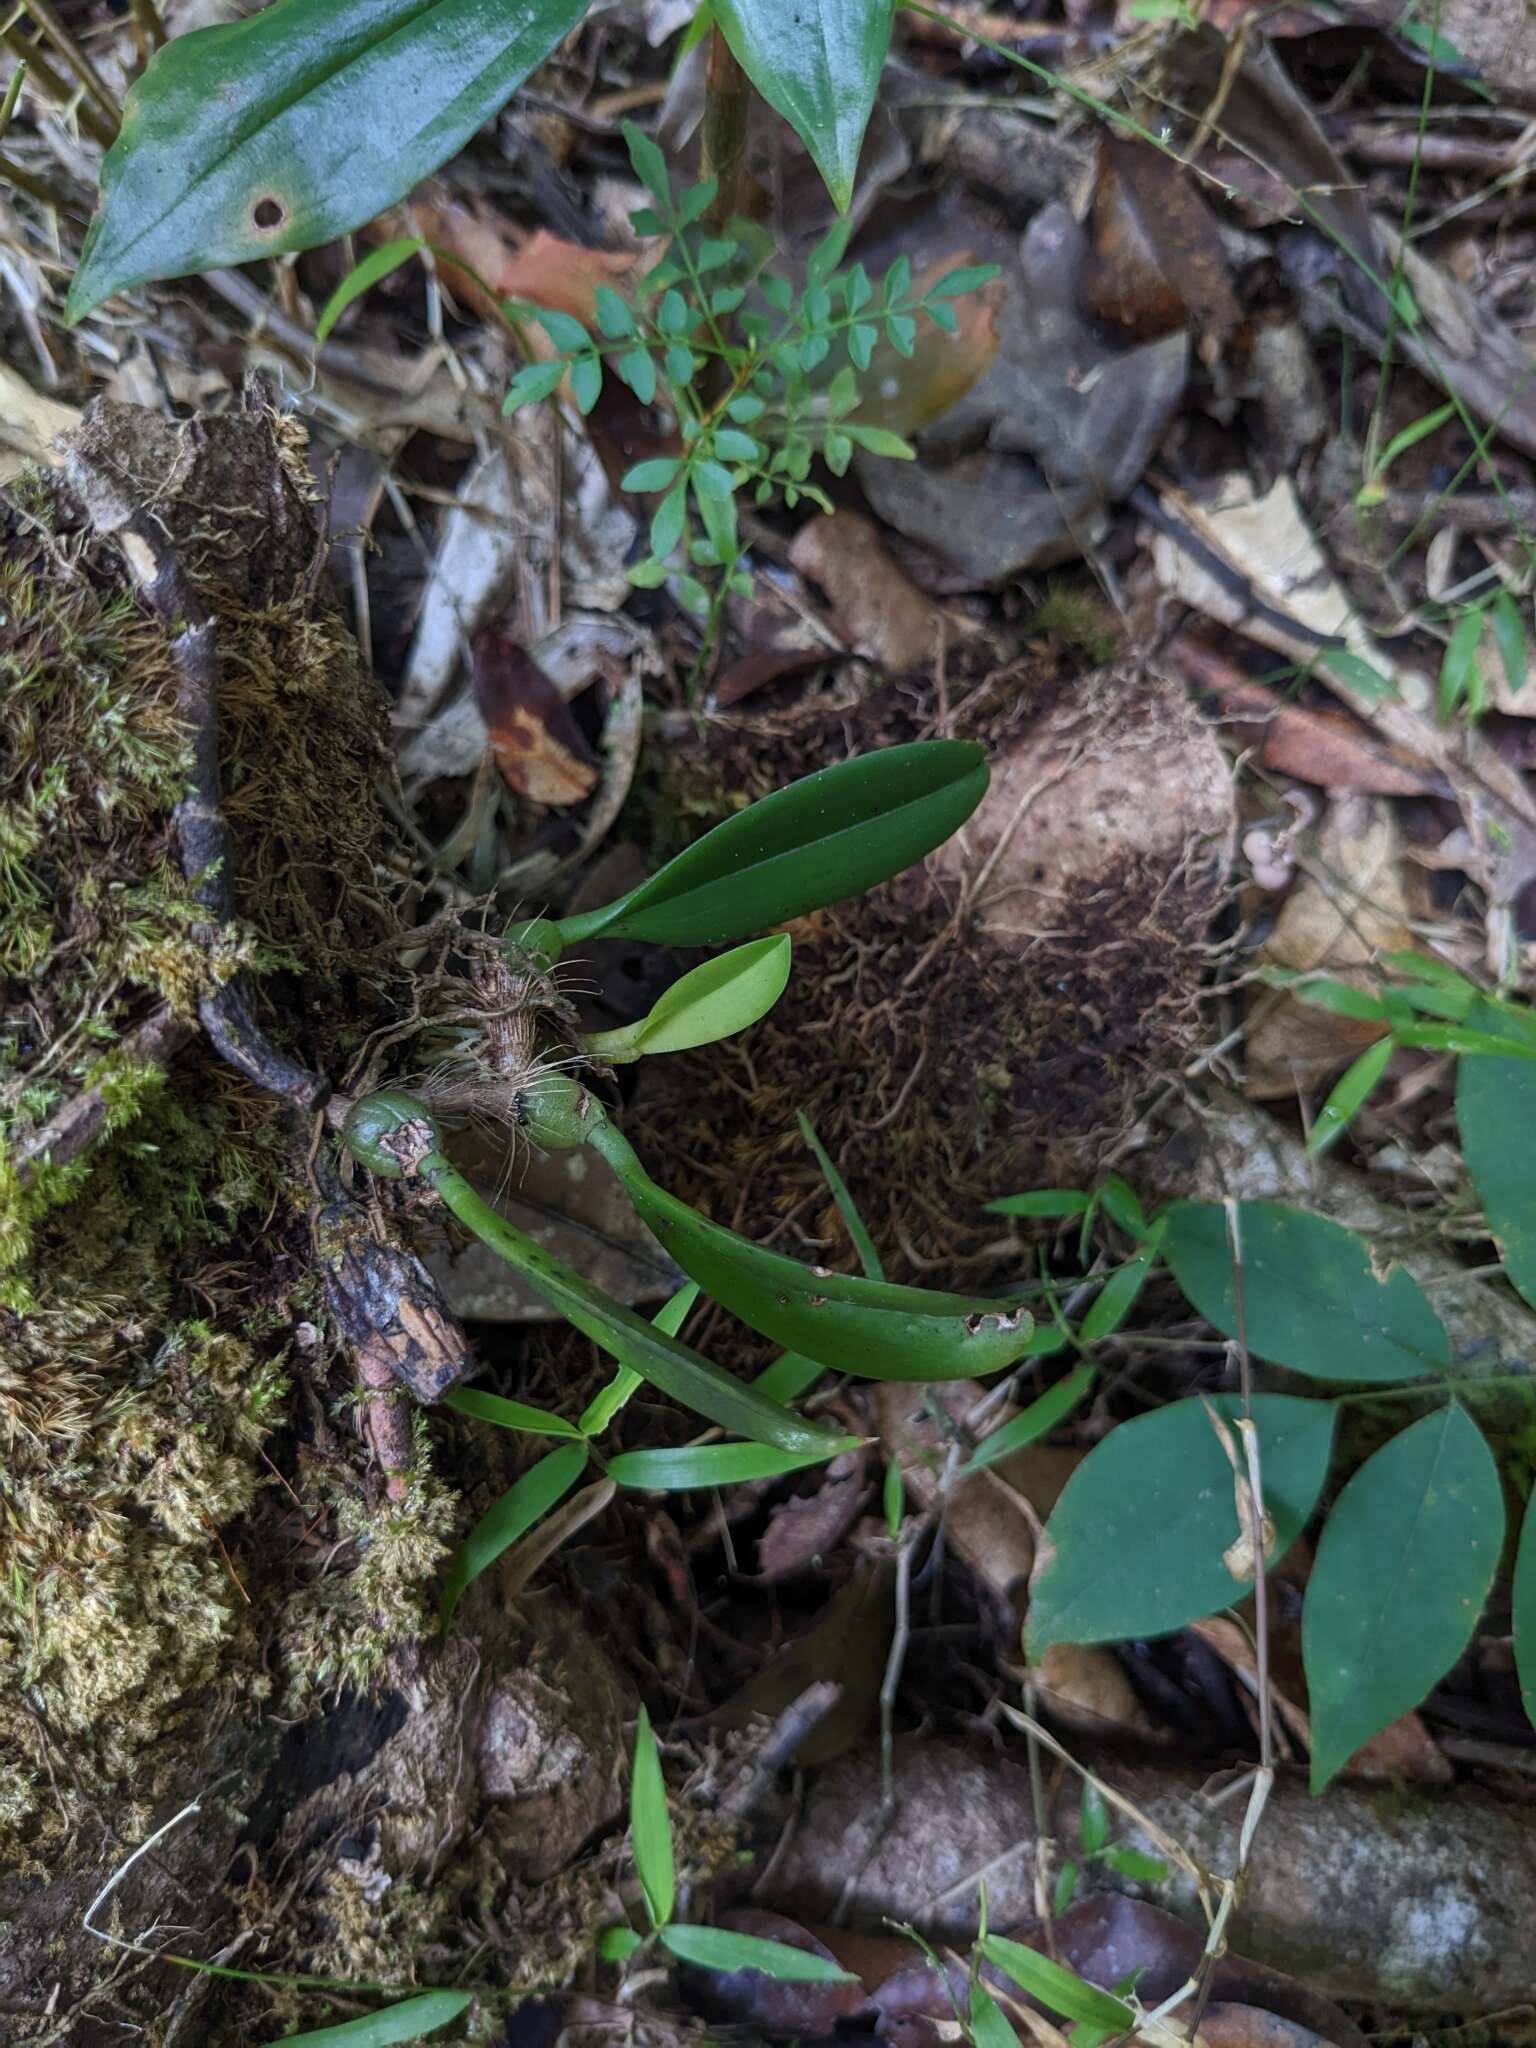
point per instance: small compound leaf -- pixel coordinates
(375, 266)
(411, 2020)
(1138, 1540)
(1495, 1102)
(650, 1826)
(535, 381)
(699, 1465)
(1310, 1297)
(821, 840)
(1403, 1567)
(722, 1948)
(529, 1501)
(296, 126)
(818, 64)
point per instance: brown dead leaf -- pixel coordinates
(877, 609)
(1348, 906)
(1085, 1686)
(1156, 263)
(1325, 747)
(500, 263)
(907, 393)
(846, 1646)
(802, 1530)
(540, 749)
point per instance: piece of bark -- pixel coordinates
(1421, 1906)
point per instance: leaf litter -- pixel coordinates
(1198, 391)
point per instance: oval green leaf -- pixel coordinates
(1524, 1604)
(830, 836)
(695, 1465)
(715, 1000)
(868, 1327)
(297, 125)
(1495, 1105)
(721, 1948)
(411, 2020)
(1403, 1567)
(818, 64)
(1138, 1539)
(650, 1826)
(1310, 1298)
(529, 1501)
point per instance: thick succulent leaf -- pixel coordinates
(825, 838)
(1138, 1542)
(642, 1346)
(1310, 1295)
(868, 1327)
(1403, 1567)
(295, 126)
(818, 62)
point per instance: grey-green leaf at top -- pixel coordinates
(1139, 1541)
(1311, 1299)
(1403, 1567)
(818, 63)
(296, 126)
(827, 837)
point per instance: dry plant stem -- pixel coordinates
(53, 27)
(12, 174)
(150, 26)
(727, 105)
(77, 1124)
(54, 86)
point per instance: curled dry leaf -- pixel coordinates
(1349, 905)
(876, 607)
(1156, 263)
(1085, 1686)
(542, 752)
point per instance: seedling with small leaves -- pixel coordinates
(762, 379)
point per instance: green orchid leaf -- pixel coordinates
(642, 1346)
(828, 837)
(624, 1385)
(411, 2020)
(650, 1826)
(860, 1326)
(1057, 1988)
(297, 125)
(1033, 1422)
(714, 1001)
(508, 1414)
(541, 1487)
(1403, 1567)
(722, 1948)
(696, 1465)
(818, 64)
(1138, 1542)
(1311, 1298)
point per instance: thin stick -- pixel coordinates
(727, 106)
(151, 27)
(11, 173)
(54, 28)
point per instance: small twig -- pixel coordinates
(112, 1883)
(12, 174)
(54, 27)
(76, 1124)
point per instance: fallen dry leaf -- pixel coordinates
(540, 749)
(537, 270)
(805, 1528)
(1085, 1686)
(1349, 905)
(876, 607)
(1156, 262)
(28, 423)
(847, 1646)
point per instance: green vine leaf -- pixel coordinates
(1403, 1567)
(1138, 1543)
(296, 126)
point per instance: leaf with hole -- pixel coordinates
(650, 1826)
(411, 2020)
(818, 63)
(828, 837)
(363, 276)
(1311, 1298)
(1403, 1567)
(1495, 1104)
(701, 1465)
(1137, 1542)
(722, 1948)
(861, 1326)
(297, 125)
(539, 1489)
